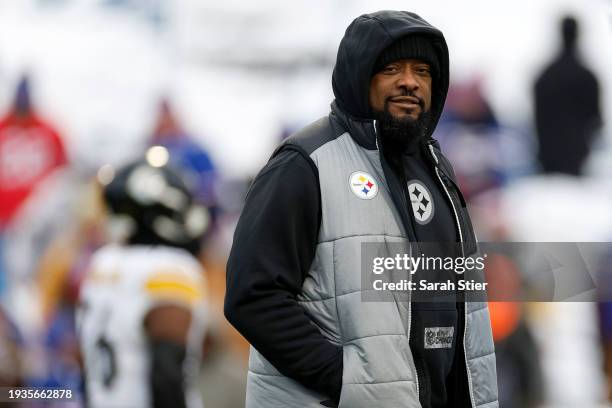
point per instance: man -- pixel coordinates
(186, 154)
(293, 277)
(566, 107)
(30, 150)
(141, 312)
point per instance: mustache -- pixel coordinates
(406, 96)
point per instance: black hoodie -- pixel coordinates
(365, 38)
(276, 236)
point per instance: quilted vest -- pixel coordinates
(379, 369)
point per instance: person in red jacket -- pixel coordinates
(30, 150)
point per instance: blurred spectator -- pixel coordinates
(35, 192)
(3, 267)
(30, 149)
(605, 316)
(519, 372)
(484, 153)
(11, 369)
(63, 263)
(567, 111)
(10, 361)
(50, 241)
(185, 154)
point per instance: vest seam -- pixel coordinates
(477, 310)
(341, 294)
(380, 382)
(488, 402)
(340, 331)
(360, 235)
(360, 290)
(267, 375)
(348, 293)
(375, 335)
(326, 143)
(482, 355)
(316, 300)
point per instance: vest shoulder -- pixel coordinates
(314, 135)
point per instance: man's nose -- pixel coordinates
(408, 80)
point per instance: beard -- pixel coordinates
(402, 135)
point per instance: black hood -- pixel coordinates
(364, 40)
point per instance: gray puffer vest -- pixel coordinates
(379, 369)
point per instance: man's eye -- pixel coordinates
(389, 69)
(424, 70)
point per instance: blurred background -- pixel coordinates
(89, 85)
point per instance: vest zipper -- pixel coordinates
(416, 371)
(376, 137)
(465, 319)
(452, 203)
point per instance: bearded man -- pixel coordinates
(369, 172)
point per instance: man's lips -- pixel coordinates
(407, 103)
(410, 102)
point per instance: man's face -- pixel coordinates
(402, 88)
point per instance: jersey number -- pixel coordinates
(106, 361)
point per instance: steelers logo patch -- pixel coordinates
(422, 203)
(363, 185)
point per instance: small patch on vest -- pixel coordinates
(439, 337)
(363, 185)
(422, 203)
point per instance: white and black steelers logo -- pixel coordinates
(422, 203)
